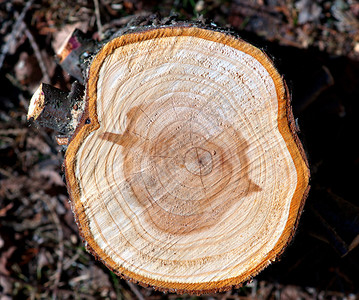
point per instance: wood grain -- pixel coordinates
(185, 172)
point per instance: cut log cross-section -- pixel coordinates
(185, 172)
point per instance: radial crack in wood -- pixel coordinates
(185, 172)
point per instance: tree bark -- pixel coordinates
(185, 171)
(52, 108)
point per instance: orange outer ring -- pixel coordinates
(285, 124)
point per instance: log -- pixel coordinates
(185, 171)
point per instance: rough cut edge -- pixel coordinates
(286, 127)
(37, 104)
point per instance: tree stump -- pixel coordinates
(185, 171)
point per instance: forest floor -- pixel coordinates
(314, 44)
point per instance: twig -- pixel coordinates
(6, 173)
(14, 33)
(75, 295)
(12, 131)
(98, 18)
(61, 247)
(135, 291)
(38, 54)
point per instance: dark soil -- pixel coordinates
(314, 44)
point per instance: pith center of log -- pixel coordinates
(198, 161)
